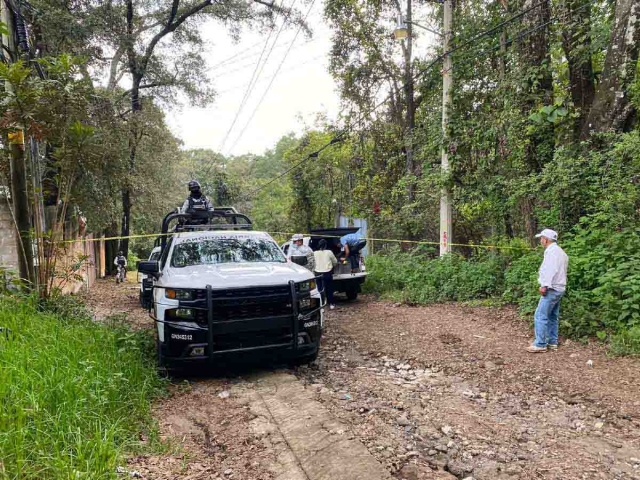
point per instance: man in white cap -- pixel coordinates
(300, 253)
(553, 283)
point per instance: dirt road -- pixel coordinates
(440, 392)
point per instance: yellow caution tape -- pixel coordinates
(415, 242)
(395, 240)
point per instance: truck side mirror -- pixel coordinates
(300, 260)
(149, 267)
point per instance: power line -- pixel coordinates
(243, 66)
(520, 36)
(246, 93)
(236, 55)
(272, 79)
(256, 74)
(295, 67)
(338, 138)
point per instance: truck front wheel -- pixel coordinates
(352, 295)
(304, 360)
(160, 361)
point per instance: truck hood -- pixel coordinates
(234, 275)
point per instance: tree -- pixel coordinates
(143, 41)
(612, 109)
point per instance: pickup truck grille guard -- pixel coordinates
(213, 323)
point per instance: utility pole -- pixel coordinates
(19, 193)
(447, 71)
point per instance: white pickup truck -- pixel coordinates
(222, 290)
(344, 279)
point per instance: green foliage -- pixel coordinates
(133, 259)
(520, 282)
(605, 278)
(603, 294)
(416, 279)
(75, 394)
(65, 307)
(626, 342)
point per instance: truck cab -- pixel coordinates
(222, 290)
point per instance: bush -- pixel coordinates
(521, 282)
(66, 307)
(626, 342)
(412, 278)
(75, 394)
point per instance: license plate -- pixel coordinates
(180, 336)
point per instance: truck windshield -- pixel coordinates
(225, 250)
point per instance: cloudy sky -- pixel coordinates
(302, 89)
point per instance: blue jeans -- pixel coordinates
(325, 283)
(546, 319)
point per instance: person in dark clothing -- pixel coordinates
(325, 260)
(197, 202)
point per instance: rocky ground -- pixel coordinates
(439, 392)
(450, 388)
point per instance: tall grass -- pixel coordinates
(74, 395)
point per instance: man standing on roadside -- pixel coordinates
(553, 283)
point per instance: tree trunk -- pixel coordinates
(20, 198)
(576, 43)
(111, 249)
(126, 216)
(537, 68)
(410, 121)
(136, 107)
(612, 107)
(502, 60)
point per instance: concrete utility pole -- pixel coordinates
(447, 71)
(19, 193)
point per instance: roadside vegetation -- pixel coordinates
(603, 295)
(75, 394)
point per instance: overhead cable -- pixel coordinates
(339, 137)
(264, 95)
(256, 74)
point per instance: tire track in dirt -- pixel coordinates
(437, 393)
(254, 425)
(448, 392)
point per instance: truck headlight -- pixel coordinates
(181, 313)
(309, 303)
(307, 286)
(178, 294)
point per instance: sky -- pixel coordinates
(302, 89)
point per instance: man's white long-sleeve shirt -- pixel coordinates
(553, 271)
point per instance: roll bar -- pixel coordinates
(235, 221)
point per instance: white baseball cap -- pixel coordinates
(548, 233)
(297, 237)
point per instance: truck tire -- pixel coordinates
(160, 360)
(352, 295)
(304, 360)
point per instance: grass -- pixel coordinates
(626, 343)
(75, 395)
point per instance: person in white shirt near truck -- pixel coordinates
(553, 283)
(325, 260)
